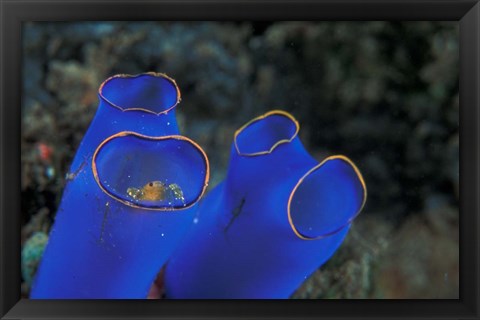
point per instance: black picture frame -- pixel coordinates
(13, 12)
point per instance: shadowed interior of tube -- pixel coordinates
(327, 199)
(264, 134)
(158, 174)
(154, 93)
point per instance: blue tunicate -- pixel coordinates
(277, 216)
(172, 169)
(104, 243)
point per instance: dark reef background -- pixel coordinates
(383, 93)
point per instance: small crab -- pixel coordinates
(157, 191)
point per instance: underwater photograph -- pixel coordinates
(240, 160)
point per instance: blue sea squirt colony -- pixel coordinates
(135, 202)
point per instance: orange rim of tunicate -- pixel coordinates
(140, 108)
(130, 204)
(278, 143)
(362, 182)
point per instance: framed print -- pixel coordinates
(239, 159)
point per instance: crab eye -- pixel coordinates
(151, 184)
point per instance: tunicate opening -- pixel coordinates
(149, 92)
(326, 199)
(263, 134)
(156, 173)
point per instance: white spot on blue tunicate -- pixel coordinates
(195, 220)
